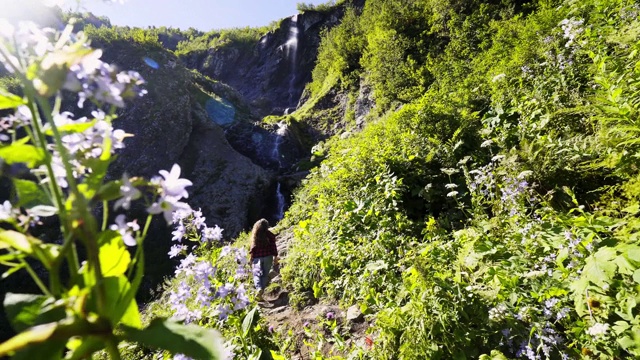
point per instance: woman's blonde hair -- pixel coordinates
(259, 233)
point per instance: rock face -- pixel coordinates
(273, 73)
(172, 125)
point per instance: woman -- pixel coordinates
(263, 253)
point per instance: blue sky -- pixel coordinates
(200, 14)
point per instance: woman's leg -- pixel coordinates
(265, 266)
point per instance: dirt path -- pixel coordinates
(323, 327)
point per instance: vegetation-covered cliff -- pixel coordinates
(473, 187)
(489, 203)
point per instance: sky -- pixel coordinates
(203, 15)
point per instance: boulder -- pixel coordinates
(354, 314)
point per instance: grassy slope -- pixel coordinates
(491, 206)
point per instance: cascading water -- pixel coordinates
(275, 154)
(291, 47)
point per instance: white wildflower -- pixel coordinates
(598, 330)
(486, 143)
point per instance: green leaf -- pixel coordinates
(276, 356)
(9, 100)
(30, 194)
(22, 153)
(636, 276)
(114, 257)
(495, 355)
(13, 269)
(190, 340)
(109, 191)
(376, 265)
(257, 354)
(29, 245)
(627, 343)
(30, 337)
(72, 128)
(22, 310)
(632, 253)
(248, 321)
(600, 267)
(93, 182)
(52, 349)
(317, 290)
(84, 347)
(16, 240)
(120, 308)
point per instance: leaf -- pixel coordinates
(109, 191)
(9, 100)
(35, 335)
(376, 265)
(29, 245)
(22, 153)
(52, 349)
(317, 290)
(257, 354)
(43, 210)
(600, 267)
(248, 321)
(16, 240)
(114, 257)
(632, 253)
(72, 128)
(13, 269)
(85, 347)
(22, 310)
(120, 308)
(190, 340)
(276, 356)
(93, 182)
(636, 276)
(29, 193)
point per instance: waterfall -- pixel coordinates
(291, 47)
(275, 154)
(279, 203)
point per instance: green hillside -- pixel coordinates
(489, 207)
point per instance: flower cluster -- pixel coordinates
(172, 189)
(53, 56)
(498, 313)
(190, 224)
(126, 229)
(94, 79)
(598, 330)
(571, 29)
(188, 302)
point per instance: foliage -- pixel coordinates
(494, 212)
(243, 38)
(209, 289)
(488, 209)
(323, 8)
(56, 165)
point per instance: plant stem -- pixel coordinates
(137, 257)
(242, 339)
(54, 281)
(35, 278)
(112, 349)
(105, 214)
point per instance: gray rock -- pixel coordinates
(354, 314)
